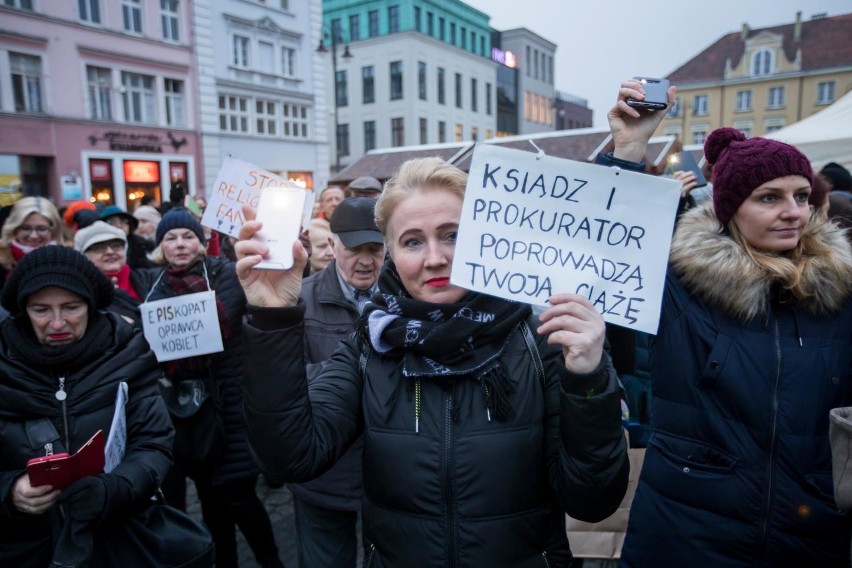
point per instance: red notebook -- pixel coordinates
(61, 470)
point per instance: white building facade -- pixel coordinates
(536, 90)
(261, 86)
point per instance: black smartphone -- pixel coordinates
(656, 94)
(685, 162)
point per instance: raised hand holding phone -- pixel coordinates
(267, 288)
(280, 211)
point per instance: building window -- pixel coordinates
(421, 80)
(397, 132)
(459, 135)
(674, 110)
(241, 51)
(393, 19)
(373, 23)
(535, 63)
(698, 136)
(463, 34)
(369, 135)
(529, 62)
(265, 57)
(442, 99)
(336, 30)
(233, 114)
(20, 4)
(474, 98)
(825, 92)
(99, 88)
(295, 121)
(488, 99)
(442, 131)
(131, 14)
(474, 133)
(288, 61)
(169, 19)
(452, 33)
(395, 80)
(424, 131)
(489, 134)
(342, 139)
(473, 41)
(442, 24)
(138, 97)
(743, 101)
(90, 11)
(699, 105)
(173, 90)
(776, 97)
(341, 89)
(527, 106)
(430, 24)
(773, 123)
(417, 18)
(266, 117)
(458, 90)
(354, 27)
(761, 62)
(368, 85)
(482, 45)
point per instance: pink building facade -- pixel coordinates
(98, 100)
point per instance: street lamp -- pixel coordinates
(335, 39)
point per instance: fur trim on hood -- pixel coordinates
(717, 269)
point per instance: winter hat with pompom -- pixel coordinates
(740, 165)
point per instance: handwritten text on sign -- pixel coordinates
(182, 326)
(238, 183)
(531, 228)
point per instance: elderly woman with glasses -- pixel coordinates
(33, 223)
(106, 246)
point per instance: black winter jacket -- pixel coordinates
(463, 491)
(27, 395)
(227, 366)
(329, 319)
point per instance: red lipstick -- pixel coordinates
(438, 282)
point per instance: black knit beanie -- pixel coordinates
(179, 218)
(60, 266)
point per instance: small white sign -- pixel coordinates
(182, 326)
(240, 183)
(535, 226)
(116, 443)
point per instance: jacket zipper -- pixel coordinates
(544, 557)
(448, 484)
(61, 396)
(372, 554)
(773, 437)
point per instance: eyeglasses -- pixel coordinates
(115, 245)
(40, 229)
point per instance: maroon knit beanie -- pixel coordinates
(740, 165)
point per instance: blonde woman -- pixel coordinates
(33, 223)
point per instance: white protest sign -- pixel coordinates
(533, 227)
(182, 326)
(239, 183)
(116, 443)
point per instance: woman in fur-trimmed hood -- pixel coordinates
(752, 352)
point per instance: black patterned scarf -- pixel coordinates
(446, 341)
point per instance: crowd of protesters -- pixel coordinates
(409, 432)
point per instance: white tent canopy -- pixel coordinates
(825, 136)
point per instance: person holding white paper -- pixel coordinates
(62, 358)
(210, 445)
(482, 425)
(754, 348)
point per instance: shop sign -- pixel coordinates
(101, 170)
(141, 172)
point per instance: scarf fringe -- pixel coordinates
(496, 389)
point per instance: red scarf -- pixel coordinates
(121, 279)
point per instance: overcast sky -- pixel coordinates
(601, 42)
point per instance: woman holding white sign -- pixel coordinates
(482, 425)
(61, 361)
(754, 348)
(204, 394)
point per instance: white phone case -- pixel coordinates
(280, 211)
